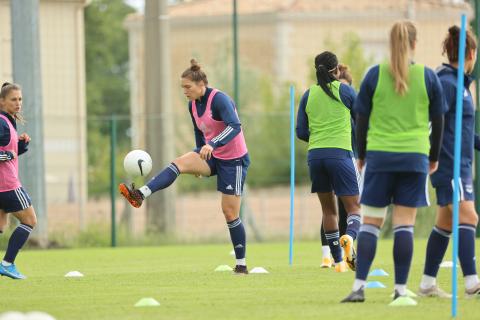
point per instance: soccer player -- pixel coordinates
(345, 77)
(220, 150)
(324, 121)
(13, 198)
(393, 107)
(442, 179)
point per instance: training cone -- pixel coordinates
(147, 302)
(374, 284)
(223, 267)
(447, 264)
(378, 273)
(232, 253)
(74, 274)
(258, 270)
(403, 302)
(410, 294)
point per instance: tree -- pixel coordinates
(106, 43)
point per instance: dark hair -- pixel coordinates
(195, 73)
(326, 63)
(7, 87)
(450, 44)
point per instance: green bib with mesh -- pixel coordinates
(328, 119)
(400, 123)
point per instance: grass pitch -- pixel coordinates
(182, 279)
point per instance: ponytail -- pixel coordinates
(402, 40)
(326, 63)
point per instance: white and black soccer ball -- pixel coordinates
(137, 163)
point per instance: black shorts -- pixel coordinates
(14, 200)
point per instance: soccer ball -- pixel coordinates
(137, 163)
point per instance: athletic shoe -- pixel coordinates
(11, 272)
(355, 296)
(434, 291)
(327, 262)
(346, 242)
(134, 196)
(397, 294)
(473, 292)
(341, 267)
(240, 269)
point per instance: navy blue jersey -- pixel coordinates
(444, 174)
(347, 96)
(223, 109)
(5, 138)
(379, 160)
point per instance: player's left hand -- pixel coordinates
(206, 152)
(24, 137)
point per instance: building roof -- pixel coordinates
(245, 7)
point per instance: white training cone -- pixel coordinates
(258, 270)
(12, 315)
(232, 253)
(74, 274)
(147, 302)
(447, 264)
(38, 315)
(223, 267)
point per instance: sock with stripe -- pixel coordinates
(353, 225)
(366, 249)
(436, 247)
(239, 239)
(162, 180)
(466, 249)
(334, 244)
(16, 241)
(402, 253)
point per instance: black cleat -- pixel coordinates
(355, 296)
(397, 294)
(240, 269)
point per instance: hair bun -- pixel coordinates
(194, 65)
(454, 30)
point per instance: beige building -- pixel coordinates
(280, 38)
(62, 55)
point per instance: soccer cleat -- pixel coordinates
(341, 267)
(11, 272)
(240, 269)
(397, 294)
(327, 262)
(134, 196)
(346, 242)
(433, 291)
(473, 292)
(355, 296)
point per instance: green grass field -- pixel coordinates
(182, 279)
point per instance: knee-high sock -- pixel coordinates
(466, 249)
(402, 252)
(436, 247)
(239, 239)
(366, 249)
(353, 224)
(16, 241)
(162, 180)
(333, 238)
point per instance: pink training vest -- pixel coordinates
(9, 169)
(211, 128)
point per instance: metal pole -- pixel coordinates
(159, 121)
(476, 28)
(235, 55)
(27, 72)
(113, 183)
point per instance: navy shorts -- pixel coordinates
(230, 174)
(339, 175)
(409, 189)
(445, 193)
(14, 200)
